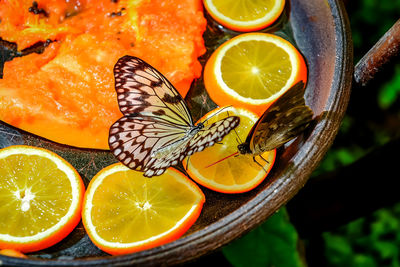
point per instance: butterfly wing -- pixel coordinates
(282, 121)
(211, 134)
(205, 137)
(156, 116)
(142, 90)
(133, 140)
(157, 130)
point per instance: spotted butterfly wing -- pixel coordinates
(286, 118)
(157, 129)
(141, 89)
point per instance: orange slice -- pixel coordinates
(12, 253)
(245, 15)
(252, 70)
(124, 211)
(236, 174)
(40, 198)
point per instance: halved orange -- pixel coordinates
(235, 174)
(245, 15)
(40, 198)
(125, 212)
(252, 70)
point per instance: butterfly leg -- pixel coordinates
(187, 162)
(264, 159)
(254, 159)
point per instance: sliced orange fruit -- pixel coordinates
(216, 168)
(40, 198)
(245, 15)
(12, 253)
(125, 212)
(252, 70)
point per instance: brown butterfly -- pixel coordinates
(286, 118)
(157, 130)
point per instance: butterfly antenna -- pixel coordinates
(219, 111)
(212, 164)
(238, 139)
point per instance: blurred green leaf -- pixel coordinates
(390, 91)
(386, 249)
(346, 124)
(362, 260)
(386, 222)
(274, 243)
(381, 137)
(370, 241)
(339, 251)
(338, 157)
(339, 248)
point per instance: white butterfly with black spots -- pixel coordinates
(157, 130)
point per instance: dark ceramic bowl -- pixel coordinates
(321, 31)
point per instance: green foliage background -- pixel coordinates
(372, 119)
(274, 243)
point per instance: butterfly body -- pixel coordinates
(157, 130)
(286, 118)
(164, 151)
